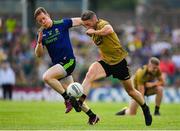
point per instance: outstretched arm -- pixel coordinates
(76, 21)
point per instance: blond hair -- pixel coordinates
(154, 60)
(38, 11)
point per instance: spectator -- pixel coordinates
(7, 80)
(10, 28)
(168, 67)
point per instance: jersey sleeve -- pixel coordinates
(67, 23)
(139, 77)
(159, 73)
(103, 23)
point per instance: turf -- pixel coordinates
(18, 115)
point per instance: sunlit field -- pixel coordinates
(50, 116)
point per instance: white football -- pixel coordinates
(75, 89)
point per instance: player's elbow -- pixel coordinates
(109, 30)
(162, 83)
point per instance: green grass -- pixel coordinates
(50, 116)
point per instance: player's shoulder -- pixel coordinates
(64, 22)
(159, 72)
(57, 22)
(102, 22)
(142, 69)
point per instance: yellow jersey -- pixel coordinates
(142, 76)
(110, 48)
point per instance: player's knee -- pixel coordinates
(46, 78)
(131, 92)
(90, 75)
(159, 89)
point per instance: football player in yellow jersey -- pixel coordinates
(112, 60)
(149, 81)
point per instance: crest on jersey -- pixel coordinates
(57, 31)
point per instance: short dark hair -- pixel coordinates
(38, 11)
(154, 60)
(87, 15)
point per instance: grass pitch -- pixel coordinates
(18, 115)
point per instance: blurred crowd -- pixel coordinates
(141, 41)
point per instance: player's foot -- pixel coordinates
(157, 113)
(93, 120)
(122, 112)
(68, 106)
(75, 104)
(147, 116)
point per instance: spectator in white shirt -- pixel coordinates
(7, 79)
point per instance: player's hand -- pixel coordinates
(39, 37)
(90, 31)
(40, 34)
